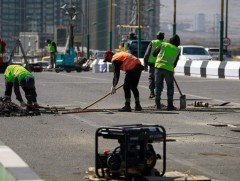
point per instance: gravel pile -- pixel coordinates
(8, 109)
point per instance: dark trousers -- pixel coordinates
(53, 59)
(8, 90)
(160, 76)
(131, 82)
(151, 77)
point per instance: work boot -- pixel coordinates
(152, 95)
(138, 107)
(170, 106)
(158, 104)
(126, 108)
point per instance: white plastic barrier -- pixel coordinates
(209, 69)
(212, 69)
(98, 66)
(231, 70)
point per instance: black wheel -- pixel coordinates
(78, 69)
(68, 70)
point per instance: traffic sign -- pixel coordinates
(226, 41)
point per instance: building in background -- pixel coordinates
(199, 23)
(45, 19)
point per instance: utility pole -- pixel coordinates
(139, 30)
(174, 16)
(226, 25)
(110, 26)
(221, 31)
(88, 36)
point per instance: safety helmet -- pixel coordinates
(160, 35)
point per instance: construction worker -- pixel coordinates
(16, 76)
(167, 57)
(132, 66)
(149, 61)
(53, 49)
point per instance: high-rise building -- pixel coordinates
(46, 19)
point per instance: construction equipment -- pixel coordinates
(183, 103)
(134, 154)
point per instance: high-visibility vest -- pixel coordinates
(167, 56)
(16, 71)
(51, 47)
(129, 61)
(155, 44)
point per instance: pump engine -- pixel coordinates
(134, 154)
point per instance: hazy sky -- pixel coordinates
(189, 8)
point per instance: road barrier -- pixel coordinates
(207, 69)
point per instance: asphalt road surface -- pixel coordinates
(61, 147)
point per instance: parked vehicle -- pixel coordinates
(132, 47)
(214, 52)
(35, 67)
(45, 64)
(193, 52)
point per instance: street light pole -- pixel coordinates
(174, 17)
(110, 26)
(83, 30)
(139, 30)
(221, 32)
(226, 25)
(88, 36)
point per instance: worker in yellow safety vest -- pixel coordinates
(16, 76)
(167, 57)
(53, 49)
(132, 66)
(149, 61)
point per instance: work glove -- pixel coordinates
(113, 90)
(23, 104)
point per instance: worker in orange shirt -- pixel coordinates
(132, 66)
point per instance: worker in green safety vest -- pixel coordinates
(167, 57)
(53, 49)
(149, 61)
(16, 76)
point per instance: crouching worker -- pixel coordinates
(16, 76)
(132, 66)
